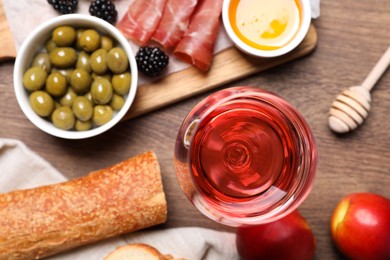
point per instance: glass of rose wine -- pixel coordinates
(244, 155)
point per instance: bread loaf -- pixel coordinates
(50, 219)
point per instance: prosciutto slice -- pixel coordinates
(197, 45)
(174, 22)
(141, 20)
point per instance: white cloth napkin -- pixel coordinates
(21, 168)
(35, 12)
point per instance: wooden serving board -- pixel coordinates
(228, 65)
(7, 46)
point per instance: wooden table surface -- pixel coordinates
(352, 36)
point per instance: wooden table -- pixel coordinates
(352, 36)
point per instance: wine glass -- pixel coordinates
(244, 155)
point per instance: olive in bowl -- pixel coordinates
(75, 76)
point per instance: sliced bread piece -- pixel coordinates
(137, 251)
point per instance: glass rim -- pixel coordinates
(305, 135)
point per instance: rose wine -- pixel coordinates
(244, 160)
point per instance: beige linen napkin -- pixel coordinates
(21, 168)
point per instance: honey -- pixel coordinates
(265, 24)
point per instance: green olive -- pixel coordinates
(63, 57)
(121, 83)
(106, 43)
(34, 78)
(42, 60)
(63, 118)
(102, 114)
(50, 45)
(88, 95)
(98, 61)
(41, 103)
(89, 40)
(80, 81)
(83, 61)
(101, 91)
(64, 36)
(83, 125)
(82, 108)
(117, 102)
(68, 98)
(117, 60)
(56, 84)
(67, 73)
(79, 31)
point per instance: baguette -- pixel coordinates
(46, 220)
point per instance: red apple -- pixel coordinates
(360, 226)
(287, 238)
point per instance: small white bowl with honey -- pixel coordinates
(266, 28)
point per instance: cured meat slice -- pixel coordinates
(141, 19)
(197, 45)
(174, 22)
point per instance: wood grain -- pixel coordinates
(7, 46)
(228, 65)
(352, 35)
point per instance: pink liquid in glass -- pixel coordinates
(245, 156)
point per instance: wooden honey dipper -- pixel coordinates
(351, 107)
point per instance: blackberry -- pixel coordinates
(151, 61)
(104, 9)
(64, 6)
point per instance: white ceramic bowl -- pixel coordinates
(35, 42)
(302, 31)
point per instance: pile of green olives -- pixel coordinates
(79, 79)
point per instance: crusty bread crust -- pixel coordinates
(50, 219)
